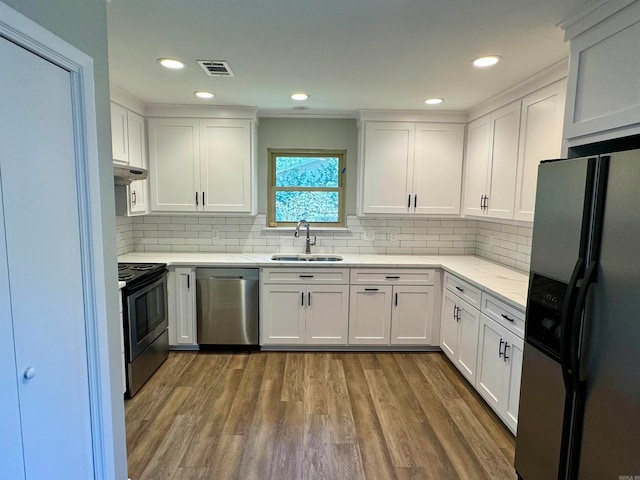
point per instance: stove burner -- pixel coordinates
(123, 277)
(122, 267)
(142, 267)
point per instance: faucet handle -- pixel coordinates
(314, 241)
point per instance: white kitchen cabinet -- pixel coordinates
(391, 307)
(201, 165)
(540, 139)
(181, 286)
(119, 140)
(492, 159)
(459, 333)
(412, 168)
(370, 315)
(499, 370)
(603, 92)
(312, 311)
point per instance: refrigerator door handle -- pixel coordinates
(568, 309)
(576, 327)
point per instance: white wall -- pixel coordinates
(83, 23)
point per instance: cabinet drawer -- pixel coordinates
(463, 290)
(305, 275)
(505, 315)
(392, 276)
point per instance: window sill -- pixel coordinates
(304, 230)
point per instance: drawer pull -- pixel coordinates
(305, 276)
(507, 318)
(460, 289)
(392, 278)
(370, 289)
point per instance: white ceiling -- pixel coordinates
(347, 54)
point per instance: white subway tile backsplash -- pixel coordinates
(502, 243)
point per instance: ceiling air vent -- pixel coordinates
(216, 68)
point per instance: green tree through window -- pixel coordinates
(306, 185)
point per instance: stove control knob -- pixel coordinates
(29, 373)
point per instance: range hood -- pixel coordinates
(124, 175)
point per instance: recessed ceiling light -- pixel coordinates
(434, 101)
(171, 63)
(487, 61)
(204, 94)
(299, 96)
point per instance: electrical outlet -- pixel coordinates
(367, 235)
(490, 240)
(393, 236)
(215, 234)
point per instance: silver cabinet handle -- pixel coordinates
(29, 373)
(133, 197)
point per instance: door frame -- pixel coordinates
(29, 35)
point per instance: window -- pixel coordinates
(306, 184)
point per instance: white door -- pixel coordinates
(174, 164)
(283, 314)
(449, 326)
(412, 315)
(477, 164)
(327, 314)
(45, 304)
(491, 364)
(437, 168)
(370, 315)
(225, 153)
(505, 125)
(388, 164)
(512, 382)
(469, 324)
(183, 311)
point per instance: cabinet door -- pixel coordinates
(512, 381)
(136, 140)
(540, 139)
(283, 314)
(183, 311)
(226, 165)
(468, 326)
(174, 164)
(388, 162)
(491, 364)
(119, 139)
(327, 314)
(477, 164)
(505, 125)
(138, 194)
(370, 315)
(412, 315)
(449, 326)
(437, 168)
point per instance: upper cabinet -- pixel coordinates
(411, 168)
(603, 92)
(504, 149)
(201, 165)
(129, 147)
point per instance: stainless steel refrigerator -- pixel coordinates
(579, 415)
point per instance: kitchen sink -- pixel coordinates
(306, 258)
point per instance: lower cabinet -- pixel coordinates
(123, 366)
(181, 286)
(391, 315)
(459, 333)
(304, 314)
(499, 370)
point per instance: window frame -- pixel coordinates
(273, 153)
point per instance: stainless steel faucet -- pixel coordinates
(307, 248)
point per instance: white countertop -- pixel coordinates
(508, 284)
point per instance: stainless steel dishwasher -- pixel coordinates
(227, 306)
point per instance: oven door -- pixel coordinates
(146, 315)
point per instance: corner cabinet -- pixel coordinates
(201, 165)
(504, 149)
(304, 306)
(411, 168)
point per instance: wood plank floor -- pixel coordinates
(290, 416)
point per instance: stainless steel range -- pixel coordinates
(145, 318)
